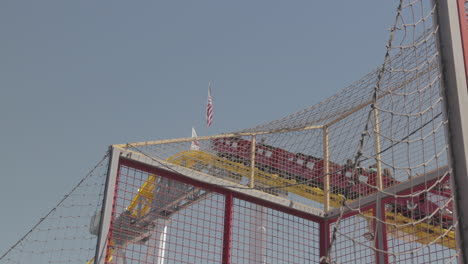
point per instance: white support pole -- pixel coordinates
(257, 237)
(120, 256)
(157, 242)
(252, 162)
(326, 170)
(380, 228)
(106, 211)
(378, 156)
(456, 95)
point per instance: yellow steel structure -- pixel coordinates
(190, 158)
(109, 258)
(424, 232)
(141, 203)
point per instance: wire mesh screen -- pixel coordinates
(286, 164)
(156, 219)
(263, 235)
(355, 239)
(67, 234)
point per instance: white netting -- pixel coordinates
(407, 140)
(64, 234)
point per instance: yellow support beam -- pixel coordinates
(141, 203)
(189, 158)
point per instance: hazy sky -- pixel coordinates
(77, 76)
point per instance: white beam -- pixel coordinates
(106, 211)
(456, 95)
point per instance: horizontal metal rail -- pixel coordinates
(391, 191)
(240, 134)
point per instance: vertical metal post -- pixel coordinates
(227, 237)
(326, 170)
(107, 205)
(252, 162)
(380, 212)
(456, 95)
(384, 234)
(257, 236)
(158, 242)
(378, 157)
(324, 238)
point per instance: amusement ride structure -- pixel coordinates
(374, 174)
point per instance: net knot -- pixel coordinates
(325, 260)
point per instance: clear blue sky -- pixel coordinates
(77, 76)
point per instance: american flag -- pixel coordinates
(209, 108)
(195, 144)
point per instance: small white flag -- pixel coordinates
(209, 107)
(195, 144)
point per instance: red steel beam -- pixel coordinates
(214, 188)
(324, 238)
(227, 237)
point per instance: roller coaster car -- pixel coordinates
(310, 170)
(298, 166)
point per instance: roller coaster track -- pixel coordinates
(151, 202)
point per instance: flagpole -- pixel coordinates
(209, 107)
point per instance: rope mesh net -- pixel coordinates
(383, 138)
(372, 162)
(66, 234)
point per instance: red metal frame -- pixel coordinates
(228, 230)
(347, 216)
(231, 244)
(384, 234)
(324, 238)
(304, 167)
(219, 189)
(228, 211)
(295, 165)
